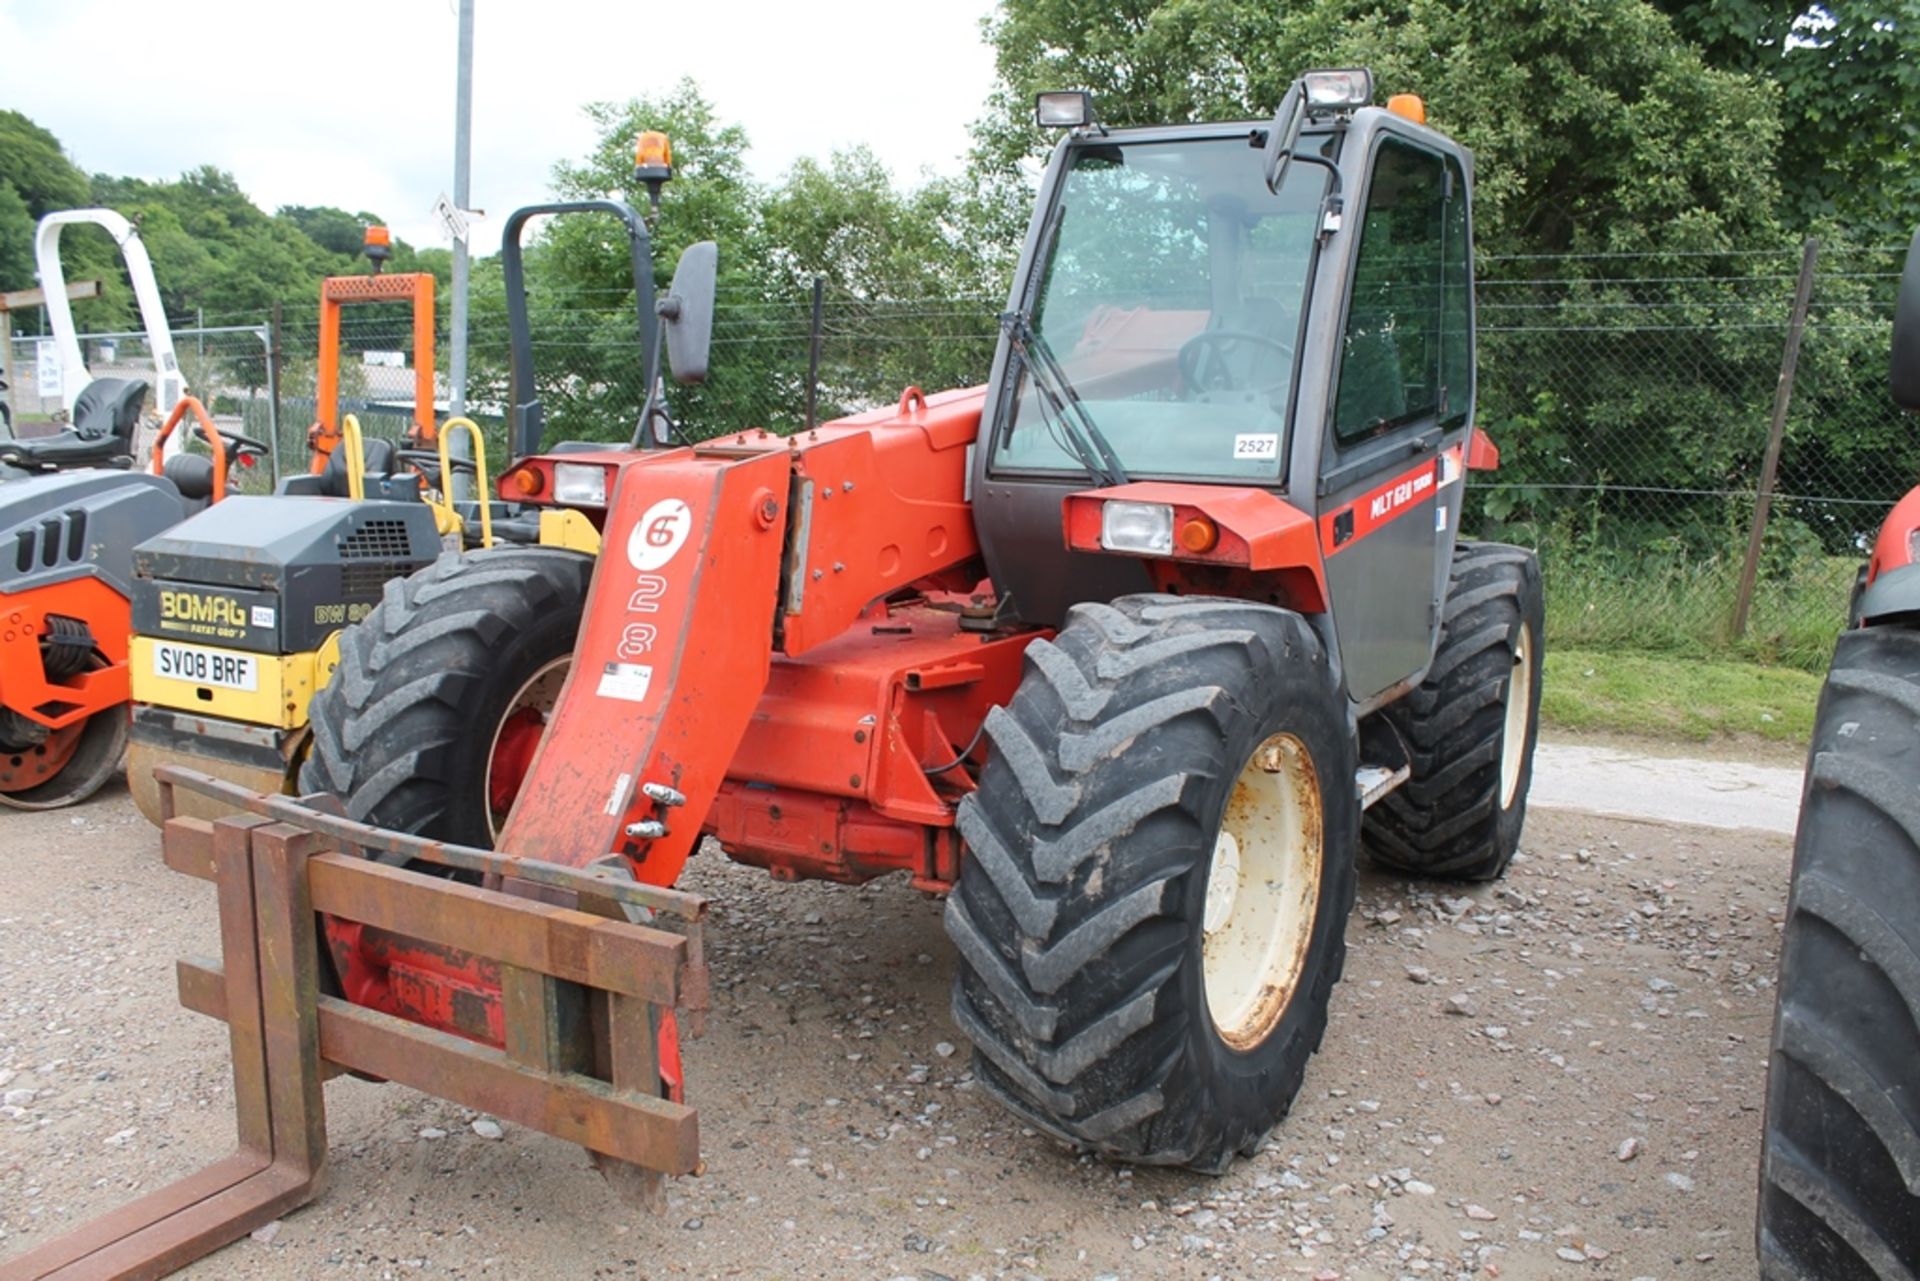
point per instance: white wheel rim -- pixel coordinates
(1513, 740)
(540, 691)
(1263, 892)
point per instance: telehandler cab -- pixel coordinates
(1129, 652)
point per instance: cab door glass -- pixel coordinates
(1404, 356)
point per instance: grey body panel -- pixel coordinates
(314, 563)
(74, 524)
(1382, 586)
(1386, 599)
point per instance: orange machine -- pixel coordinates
(412, 287)
(1130, 668)
(65, 617)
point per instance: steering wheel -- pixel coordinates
(1203, 361)
(427, 463)
(245, 445)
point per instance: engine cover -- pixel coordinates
(276, 575)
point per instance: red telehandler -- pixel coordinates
(1129, 653)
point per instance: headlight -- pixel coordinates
(1146, 528)
(580, 484)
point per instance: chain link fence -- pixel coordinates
(1632, 396)
(226, 367)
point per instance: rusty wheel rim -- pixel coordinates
(29, 767)
(1262, 892)
(537, 694)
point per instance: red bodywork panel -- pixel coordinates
(1267, 549)
(712, 558)
(1482, 453)
(833, 777)
(1892, 547)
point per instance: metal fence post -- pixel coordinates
(814, 326)
(1782, 397)
(274, 336)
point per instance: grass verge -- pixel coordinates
(1662, 696)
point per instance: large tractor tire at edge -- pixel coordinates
(438, 698)
(1470, 726)
(1151, 915)
(1840, 1158)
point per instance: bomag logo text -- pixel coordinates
(191, 607)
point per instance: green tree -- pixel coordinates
(36, 179)
(1595, 125)
(1849, 81)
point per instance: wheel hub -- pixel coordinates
(1223, 882)
(31, 765)
(516, 737)
(1263, 892)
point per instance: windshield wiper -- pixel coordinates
(1061, 403)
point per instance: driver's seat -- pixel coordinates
(104, 417)
(331, 481)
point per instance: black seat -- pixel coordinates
(331, 482)
(110, 407)
(104, 416)
(191, 474)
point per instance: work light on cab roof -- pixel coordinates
(1063, 109)
(1337, 89)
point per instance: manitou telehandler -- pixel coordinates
(1840, 1167)
(1128, 652)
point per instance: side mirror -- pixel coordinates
(686, 313)
(1283, 134)
(1906, 333)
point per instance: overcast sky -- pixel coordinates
(350, 102)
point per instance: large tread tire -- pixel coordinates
(403, 731)
(1078, 913)
(1455, 816)
(1840, 1163)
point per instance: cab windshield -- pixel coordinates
(1172, 297)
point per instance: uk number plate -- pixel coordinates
(198, 665)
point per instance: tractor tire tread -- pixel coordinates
(1840, 1165)
(387, 728)
(1447, 820)
(1067, 914)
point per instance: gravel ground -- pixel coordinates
(1557, 1076)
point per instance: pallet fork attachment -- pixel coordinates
(586, 1000)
